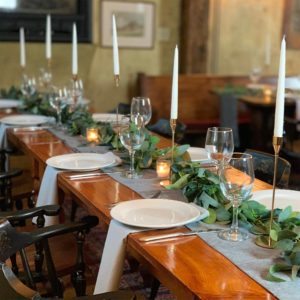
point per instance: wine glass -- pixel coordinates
(255, 74)
(141, 106)
(45, 78)
(219, 144)
(28, 86)
(132, 139)
(75, 92)
(236, 182)
(58, 98)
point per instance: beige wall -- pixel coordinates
(95, 62)
(239, 30)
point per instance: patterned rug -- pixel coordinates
(93, 248)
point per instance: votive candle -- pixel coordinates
(163, 168)
(92, 135)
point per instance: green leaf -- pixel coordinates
(286, 234)
(274, 235)
(273, 270)
(223, 214)
(211, 218)
(285, 214)
(180, 183)
(285, 245)
(208, 201)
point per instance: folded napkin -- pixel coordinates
(112, 261)
(48, 193)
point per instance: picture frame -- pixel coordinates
(135, 23)
(31, 14)
(291, 25)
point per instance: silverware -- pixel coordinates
(31, 128)
(177, 234)
(88, 175)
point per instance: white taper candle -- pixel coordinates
(48, 37)
(279, 111)
(74, 51)
(174, 99)
(22, 48)
(115, 47)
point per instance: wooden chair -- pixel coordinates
(12, 288)
(264, 168)
(40, 237)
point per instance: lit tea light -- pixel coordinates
(92, 135)
(267, 92)
(163, 168)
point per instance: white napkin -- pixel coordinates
(112, 261)
(48, 193)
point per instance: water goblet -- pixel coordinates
(58, 99)
(219, 145)
(132, 139)
(141, 106)
(28, 86)
(236, 182)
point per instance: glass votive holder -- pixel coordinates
(267, 92)
(92, 135)
(163, 168)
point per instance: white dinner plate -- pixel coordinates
(156, 213)
(24, 120)
(109, 118)
(198, 154)
(283, 198)
(9, 103)
(80, 161)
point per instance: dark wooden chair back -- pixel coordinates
(264, 168)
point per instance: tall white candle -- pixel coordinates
(48, 37)
(115, 47)
(22, 48)
(279, 111)
(74, 51)
(174, 100)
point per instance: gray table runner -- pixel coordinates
(251, 259)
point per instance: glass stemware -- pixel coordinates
(141, 106)
(219, 144)
(28, 86)
(255, 74)
(236, 182)
(58, 98)
(45, 79)
(132, 139)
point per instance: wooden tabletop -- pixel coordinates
(187, 266)
(263, 101)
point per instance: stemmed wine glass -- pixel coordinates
(219, 145)
(141, 108)
(255, 74)
(58, 98)
(236, 182)
(132, 138)
(28, 86)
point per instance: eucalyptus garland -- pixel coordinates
(202, 187)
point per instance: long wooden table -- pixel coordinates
(189, 267)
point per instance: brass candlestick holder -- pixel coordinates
(117, 79)
(277, 142)
(173, 129)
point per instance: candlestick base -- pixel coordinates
(117, 80)
(173, 128)
(263, 241)
(75, 77)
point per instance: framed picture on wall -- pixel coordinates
(135, 23)
(291, 24)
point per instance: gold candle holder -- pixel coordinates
(173, 128)
(277, 142)
(92, 135)
(117, 79)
